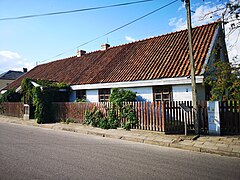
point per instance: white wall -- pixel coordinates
(143, 93)
(184, 92)
(92, 95)
(180, 93)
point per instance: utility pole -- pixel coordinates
(193, 78)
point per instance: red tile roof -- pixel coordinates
(154, 58)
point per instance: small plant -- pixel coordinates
(68, 120)
(104, 123)
(88, 116)
(93, 117)
(113, 120)
(128, 113)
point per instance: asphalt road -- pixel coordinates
(36, 153)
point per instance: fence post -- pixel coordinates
(213, 118)
(26, 112)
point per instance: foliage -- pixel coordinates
(117, 111)
(68, 120)
(26, 90)
(224, 81)
(128, 113)
(80, 100)
(11, 96)
(42, 97)
(93, 117)
(119, 96)
(51, 84)
(113, 119)
(43, 103)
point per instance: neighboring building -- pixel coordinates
(9, 76)
(156, 68)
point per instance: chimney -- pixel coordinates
(80, 53)
(105, 46)
(24, 70)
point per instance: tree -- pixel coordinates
(231, 15)
(119, 96)
(224, 80)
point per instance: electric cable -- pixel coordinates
(72, 11)
(114, 30)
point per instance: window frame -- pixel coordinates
(162, 91)
(104, 95)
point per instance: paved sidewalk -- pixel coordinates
(222, 145)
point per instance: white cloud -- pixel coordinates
(12, 61)
(178, 24)
(130, 39)
(9, 55)
(206, 13)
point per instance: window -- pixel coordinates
(103, 95)
(81, 94)
(162, 93)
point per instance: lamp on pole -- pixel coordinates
(193, 78)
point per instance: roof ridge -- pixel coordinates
(152, 37)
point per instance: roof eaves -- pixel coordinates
(217, 31)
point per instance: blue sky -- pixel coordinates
(27, 41)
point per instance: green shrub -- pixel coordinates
(42, 97)
(104, 123)
(88, 116)
(131, 119)
(115, 112)
(113, 120)
(93, 117)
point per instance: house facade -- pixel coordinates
(155, 68)
(169, 89)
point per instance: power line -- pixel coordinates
(114, 30)
(72, 11)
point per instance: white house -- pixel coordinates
(156, 68)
